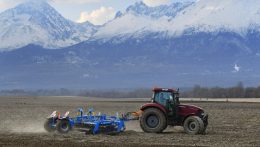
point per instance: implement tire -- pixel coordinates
(48, 125)
(63, 126)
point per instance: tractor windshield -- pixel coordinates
(163, 97)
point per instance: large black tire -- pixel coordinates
(153, 120)
(48, 125)
(63, 126)
(203, 131)
(193, 125)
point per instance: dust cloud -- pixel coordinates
(133, 126)
(22, 126)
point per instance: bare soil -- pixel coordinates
(22, 118)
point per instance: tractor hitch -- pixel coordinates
(132, 115)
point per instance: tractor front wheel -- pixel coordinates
(63, 126)
(193, 125)
(153, 120)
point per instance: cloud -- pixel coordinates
(99, 16)
(154, 3)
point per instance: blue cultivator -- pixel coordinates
(90, 122)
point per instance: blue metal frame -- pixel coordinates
(93, 122)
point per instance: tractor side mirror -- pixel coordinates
(170, 101)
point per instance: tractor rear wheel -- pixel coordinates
(63, 126)
(193, 125)
(48, 125)
(153, 120)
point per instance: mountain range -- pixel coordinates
(36, 22)
(212, 43)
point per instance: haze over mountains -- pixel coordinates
(212, 43)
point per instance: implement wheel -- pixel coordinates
(48, 125)
(63, 126)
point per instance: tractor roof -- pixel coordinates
(164, 89)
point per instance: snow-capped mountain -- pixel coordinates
(139, 20)
(208, 42)
(170, 11)
(36, 22)
(240, 17)
(219, 16)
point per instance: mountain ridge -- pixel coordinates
(139, 20)
(40, 24)
(142, 51)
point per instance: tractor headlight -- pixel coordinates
(202, 114)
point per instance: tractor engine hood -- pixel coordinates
(189, 109)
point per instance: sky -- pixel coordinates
(95, 11)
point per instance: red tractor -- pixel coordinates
(165, 109)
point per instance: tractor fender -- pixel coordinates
(189, 110)
(153, 105)
(185, 117)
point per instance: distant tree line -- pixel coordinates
(138, 93)
(40, 92)
(238, 91)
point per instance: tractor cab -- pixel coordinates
(169, 98)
